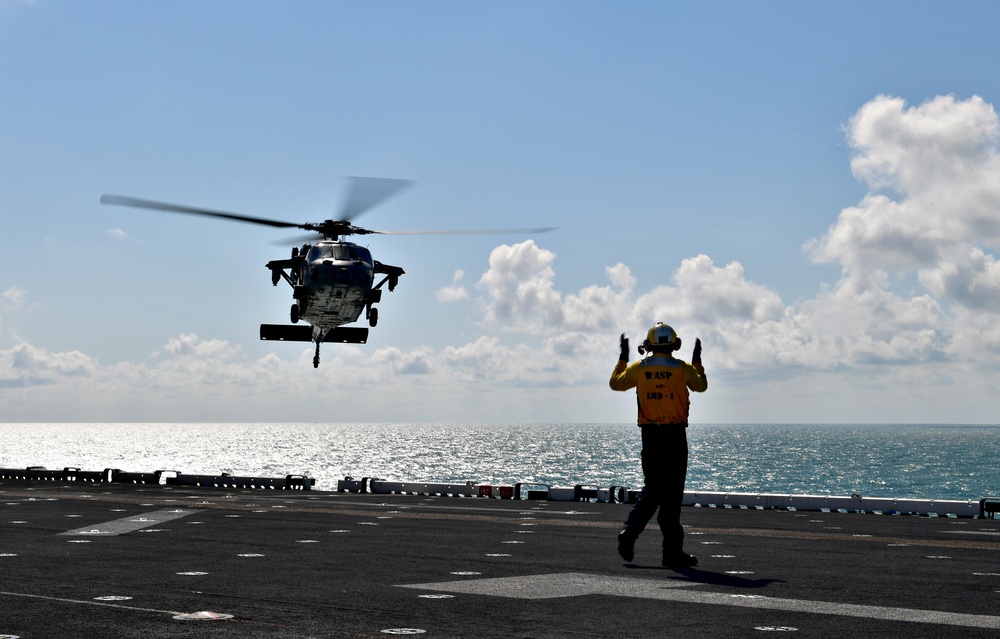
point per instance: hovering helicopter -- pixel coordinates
(332, 280)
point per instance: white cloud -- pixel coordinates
(454, 293)
(968, 275)
(209, 350)
(521, 294)
(484, 358)
(13, 298)
(704, 291)
(26, 365)
(118, 234)
(934, 205)
(600, 308)
(520, 288)
(397, 361)
(744, 324)
(939, 145)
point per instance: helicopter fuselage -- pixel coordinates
(332, 282)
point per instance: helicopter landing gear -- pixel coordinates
(373, 317)
(316, 357)
(294, 314)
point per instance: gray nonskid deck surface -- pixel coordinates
(124, 561)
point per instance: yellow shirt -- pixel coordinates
(661, 385)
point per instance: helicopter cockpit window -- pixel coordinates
(361, 253)
(334, 252)
(340, 253)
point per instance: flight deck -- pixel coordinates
(130, 560)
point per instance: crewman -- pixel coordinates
(661, 383)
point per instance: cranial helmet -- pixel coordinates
(662, 338)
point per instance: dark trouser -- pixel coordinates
(664, 467)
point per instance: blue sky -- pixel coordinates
(809, 188)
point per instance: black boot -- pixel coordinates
(626, 546)
(679, 559)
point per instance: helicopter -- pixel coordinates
(332, 279)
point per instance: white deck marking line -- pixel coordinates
(88, 603)
(577, 584)
(130, 524)
(973, 532)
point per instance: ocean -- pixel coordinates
(873, 460)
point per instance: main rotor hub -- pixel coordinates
(333, 229)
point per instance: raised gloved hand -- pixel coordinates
(696, 355)
(624, 345)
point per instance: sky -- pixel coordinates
(812, 189)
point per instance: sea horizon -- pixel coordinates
(897, 460)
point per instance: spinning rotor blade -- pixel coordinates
(363, 194)
(366, 192)
(123, 200)
(315, 237)
(543, 229)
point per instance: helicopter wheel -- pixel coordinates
(373, 317)
(316, 357)
(294, 314)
